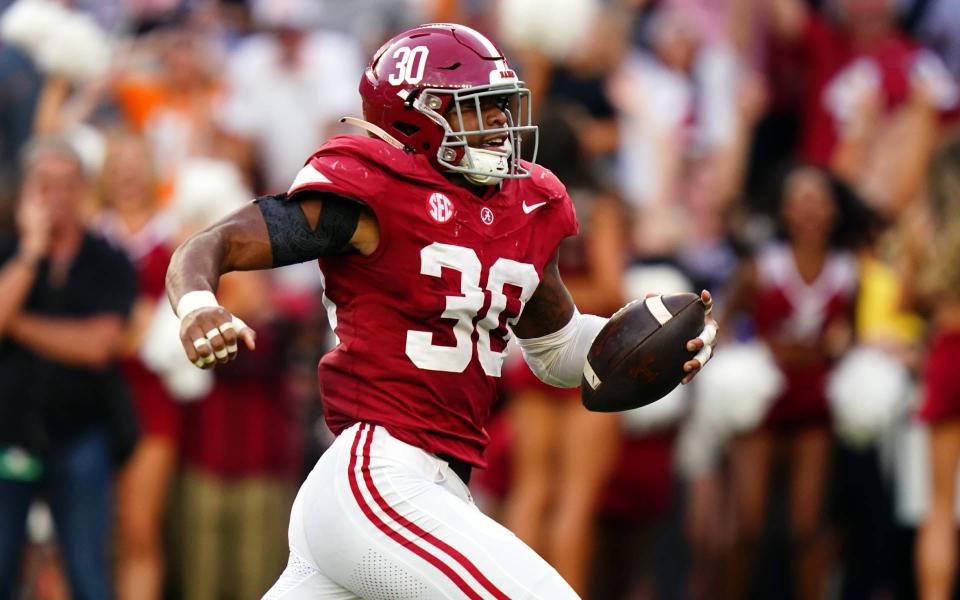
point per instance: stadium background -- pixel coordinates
(681, 127)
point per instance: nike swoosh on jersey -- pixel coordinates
(529, 208)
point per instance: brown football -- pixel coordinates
(638, 356)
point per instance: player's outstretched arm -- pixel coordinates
(271, 232)
(556, 338)
(208, 332)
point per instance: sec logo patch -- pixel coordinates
(440, 207)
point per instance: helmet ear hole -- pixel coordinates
(407, 129)
(426, 146)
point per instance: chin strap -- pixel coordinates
(490, 164)
(375, 130)
(481, 179)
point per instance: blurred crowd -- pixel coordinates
(798, 158)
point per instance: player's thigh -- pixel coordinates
(385, 529)
(462, 552)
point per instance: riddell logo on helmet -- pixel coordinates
(440, 207)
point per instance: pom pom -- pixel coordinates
(661, 414)
(78, 48)
(929, 71)
(867, 390)
(698, 450)
(736, 389)
(554, 27)
(287, 14)
(206, 190)
(90, 145)
(29, 24)
(640, 280)
(64, 42)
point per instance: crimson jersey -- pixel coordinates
(422, 323)
(789, 309)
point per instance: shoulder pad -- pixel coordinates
(549, 187)
(352, 165)
(547, 183)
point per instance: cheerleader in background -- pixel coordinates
(131, 218)
(937, 288)
(799, 294)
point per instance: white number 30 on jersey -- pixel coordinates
(420, 347)
(410, 66)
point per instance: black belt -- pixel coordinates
(461, 468)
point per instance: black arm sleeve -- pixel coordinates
(291, 239)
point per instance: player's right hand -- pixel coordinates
(211, 335)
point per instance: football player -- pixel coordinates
(436, 243)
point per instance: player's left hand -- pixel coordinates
(703, 343)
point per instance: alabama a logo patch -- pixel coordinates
(440, 207)
(486, 215)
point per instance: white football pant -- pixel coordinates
(379, 519)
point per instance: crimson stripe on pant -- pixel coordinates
(420, 532)
(373, 518)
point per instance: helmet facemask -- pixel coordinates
(482, 166)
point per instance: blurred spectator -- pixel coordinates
(111, 14)
(241, 441)
(370, 22)
(130, 218)
(870, 96)
(288, 86)
(937, 288)
(564, 53)
(173, 102)
(676, 101)
(241, 453)
(939, 28)
(19, 88)
(800, 295)
(64, 297)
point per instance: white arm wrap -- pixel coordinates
(558, 358)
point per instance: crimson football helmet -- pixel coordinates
(420, 75)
